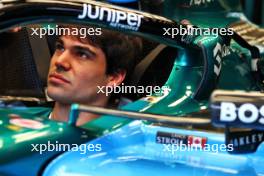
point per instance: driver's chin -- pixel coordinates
(59, 95)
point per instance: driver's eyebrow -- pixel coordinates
(84, 49)
(78, 47)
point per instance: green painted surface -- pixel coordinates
(18, 140)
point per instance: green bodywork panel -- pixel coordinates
(19, 140)
(16, 142)
(216, 13)
(107, 123)
(190, 74)
(185, 78)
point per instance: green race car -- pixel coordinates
(189, 66)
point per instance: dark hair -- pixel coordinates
(122, 51)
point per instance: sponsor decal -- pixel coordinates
(198, 142)
(246, 113)
(176, 143)
(13, 127)
(238, 108)
(115, 18)
(26, 123)
(170, 138)
(178, 139)
(14, 116)
(219, 52)
(245, 141)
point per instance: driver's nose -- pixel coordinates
(62, 62)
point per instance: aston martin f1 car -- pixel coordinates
(191, 66)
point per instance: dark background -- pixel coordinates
(254, 10)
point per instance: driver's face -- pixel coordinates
(76, 69)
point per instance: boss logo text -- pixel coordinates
(246, 113)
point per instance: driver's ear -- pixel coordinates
(115, 79)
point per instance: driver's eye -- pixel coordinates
(59, 47)
(84, 55)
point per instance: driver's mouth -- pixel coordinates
(57, 78)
